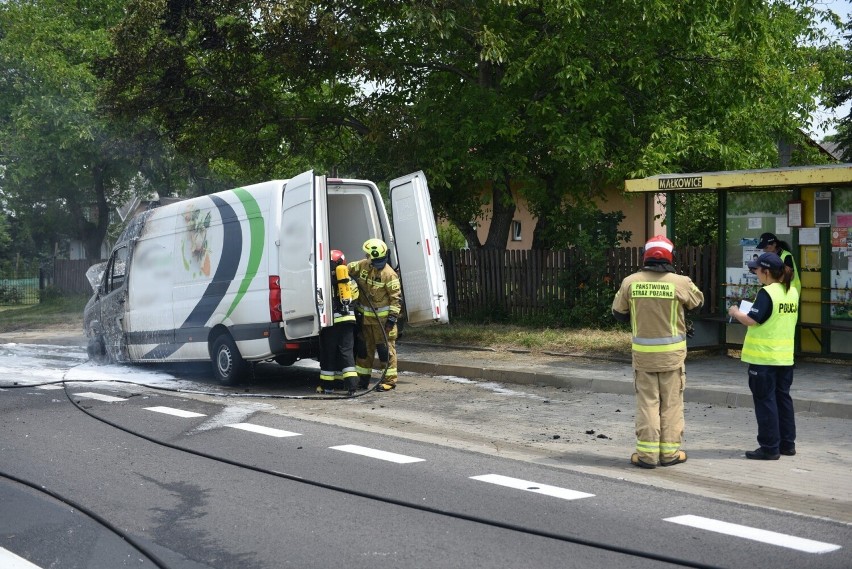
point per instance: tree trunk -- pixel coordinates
(94, 233)
(502, 214)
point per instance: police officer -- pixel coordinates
(337, 359)
(653, 301)
(768, 349)
(380, 306)
(770, 243)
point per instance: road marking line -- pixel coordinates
(51, 386)
(770, 537)
(535, 487)
(175, 412)
(263, 430)
(99, 397)
(9, 560)
(380, 454)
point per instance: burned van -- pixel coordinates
(244, 275)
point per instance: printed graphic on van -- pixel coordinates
(196, 241)
(194, 248)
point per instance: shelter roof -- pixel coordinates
(745, 180)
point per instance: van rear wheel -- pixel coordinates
(228, 364)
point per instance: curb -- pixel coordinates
(691, 394)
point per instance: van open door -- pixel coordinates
(424, 285)
(304, 233)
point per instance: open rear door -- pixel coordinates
(424, 285)
(301, 256)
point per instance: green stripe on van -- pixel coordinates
(257, 235)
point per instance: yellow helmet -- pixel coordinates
(375, 249)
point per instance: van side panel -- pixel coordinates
(149, 313)
(219, 269)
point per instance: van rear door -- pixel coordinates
(305, 300)
(422, 272)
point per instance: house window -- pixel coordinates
(516, 231)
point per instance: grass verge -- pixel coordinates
(66, 312)
(60, 311)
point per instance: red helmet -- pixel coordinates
(337, 257)
(658, 248)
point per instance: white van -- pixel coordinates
(244, 275)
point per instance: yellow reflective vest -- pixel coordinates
(771, 343)
(796, 283)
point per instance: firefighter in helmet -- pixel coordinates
(653, 300)
(337, 358)
(380, 305)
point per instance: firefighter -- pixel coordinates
(379, 306)
(337, 359)
(653, 301)
(768, 349)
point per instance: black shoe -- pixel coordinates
(363, 384)
(788, 451)
(760, 454)
(351, 393)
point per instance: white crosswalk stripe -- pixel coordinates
(9, 560)
(175, 412)
(379, 454)
(263, 430)
(746, 532)
(527, 486)
(99, 397)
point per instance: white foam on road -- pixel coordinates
(231, 414)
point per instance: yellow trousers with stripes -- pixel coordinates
(659, 413)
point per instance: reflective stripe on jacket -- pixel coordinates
(381, 293)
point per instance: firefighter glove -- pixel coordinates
(390, 323)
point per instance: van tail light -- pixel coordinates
(275, 299)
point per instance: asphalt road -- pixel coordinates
(192, 480)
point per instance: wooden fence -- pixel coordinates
(70, 276)
(518, 284)
(521, 284)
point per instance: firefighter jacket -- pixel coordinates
(771, 343)
(655, 298)
(381, 294)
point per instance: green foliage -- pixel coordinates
(696, 218)
(569, 98)
(450, 238)
(49, 294)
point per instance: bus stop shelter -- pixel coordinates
(809, 208)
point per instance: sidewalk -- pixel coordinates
(719, 416)
(819, 388)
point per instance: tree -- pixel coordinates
(840, 92)
(549, 98)
(64, 166)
